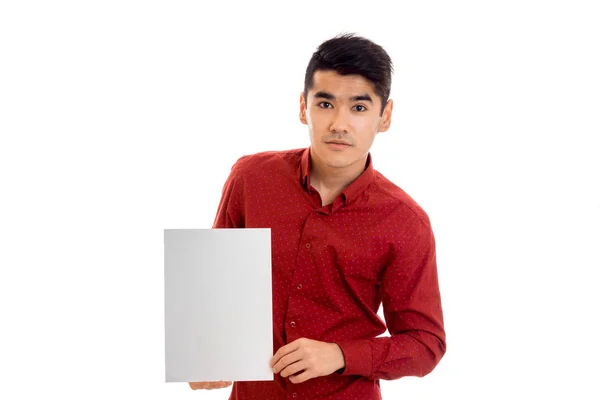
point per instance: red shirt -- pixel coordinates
(332, 268)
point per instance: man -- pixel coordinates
(344, 241)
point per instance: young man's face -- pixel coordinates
(343, 109)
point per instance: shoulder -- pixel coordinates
(405, 207)
(267, 161)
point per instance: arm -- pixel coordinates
(412, 311)
(230, 213)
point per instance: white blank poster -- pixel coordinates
(218, 305)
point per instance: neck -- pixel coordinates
(323, 176)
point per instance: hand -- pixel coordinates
(312, 357)
(209, 385)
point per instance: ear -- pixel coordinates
(303, 109)
(386, 117)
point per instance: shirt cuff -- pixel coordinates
(358, 357)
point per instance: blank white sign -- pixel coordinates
(218, 305)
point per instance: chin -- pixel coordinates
(337, 159)
(336, 162)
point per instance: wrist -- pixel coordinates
(341, 365)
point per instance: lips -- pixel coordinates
(338, 142)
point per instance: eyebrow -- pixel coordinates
(329, 96)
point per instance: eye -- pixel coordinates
(360, 108)
(325, 104)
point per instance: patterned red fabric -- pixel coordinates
(332, 268)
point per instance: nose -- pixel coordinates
(340, 122)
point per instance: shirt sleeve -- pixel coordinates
(412, 311)
(230, 213)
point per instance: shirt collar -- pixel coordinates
(352, 191)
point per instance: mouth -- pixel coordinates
(338, 142)
(337, 145)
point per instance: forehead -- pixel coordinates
(341, 86)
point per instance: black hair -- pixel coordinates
(351, 54)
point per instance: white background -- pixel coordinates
(121, 118)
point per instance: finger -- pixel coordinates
(276, 357)
(303, 377)
(209, 385)
(283, 351)
(197, 385)
(219, 385)
(287, 360)
(201, 385)
(293, 369)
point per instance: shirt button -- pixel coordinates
(308, 245)
(299, 286)
(292, 324)
(294, 394)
